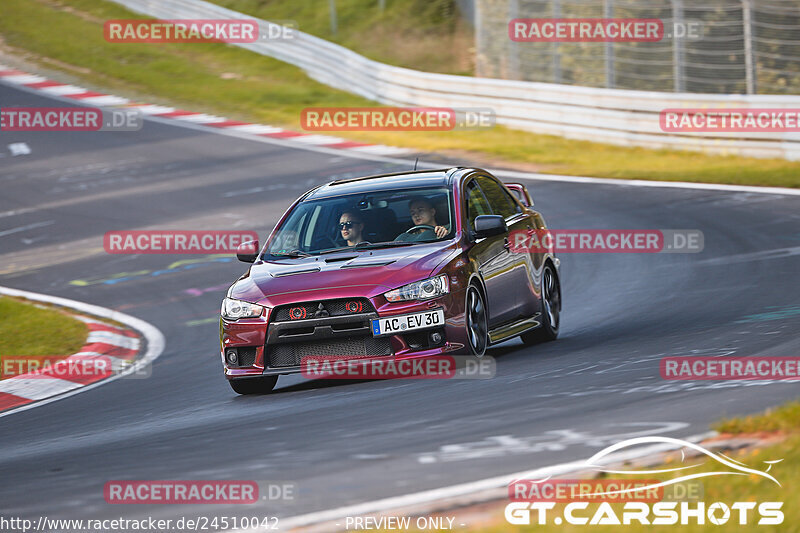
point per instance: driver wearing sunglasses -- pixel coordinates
(351, 227)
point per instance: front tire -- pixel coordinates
(551, 310)
(477, 322)
(254, 385)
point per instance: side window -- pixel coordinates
(476, 203)
(499, 200)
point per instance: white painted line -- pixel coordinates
(381, 149)
(63, 90)
(19, 149)
(117, 363)
(154, 338)
(153, 109)
(36, 388)
(318, 139)
(15, 212)
(108, 337)
(256, 129)
(88, 320)
(106, 99)
(26, 228)
(24, 79)
(646, 183)
(463, 489)
(201, 118)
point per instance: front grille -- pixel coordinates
(291, 353)
(247, 356)
(335, 307)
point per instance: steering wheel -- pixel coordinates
(421, 226)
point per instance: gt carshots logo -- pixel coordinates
(639, 507)
(181, 492)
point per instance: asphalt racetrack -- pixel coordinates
(344, 442)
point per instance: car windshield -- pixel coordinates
(364, 221)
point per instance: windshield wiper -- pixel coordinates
(388, 244)
(293, 253)
(342, 249)
(366, 245)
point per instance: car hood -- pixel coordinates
(365, 273)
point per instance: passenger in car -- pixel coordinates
(351, 227)
(423, 214)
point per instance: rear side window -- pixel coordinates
(500, 201)
(476, 203)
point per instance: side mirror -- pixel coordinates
(489, 225)
(247, 252)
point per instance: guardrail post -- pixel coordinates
(332, 4)
(608, 12)
(677, 46)
(556, 56)
(513, 56)
(749, 55)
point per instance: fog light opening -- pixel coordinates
(436, 338)
(232, 357)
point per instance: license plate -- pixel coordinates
(400, 324)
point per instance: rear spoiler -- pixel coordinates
(521, 193)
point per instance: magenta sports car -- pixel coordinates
(402, 265)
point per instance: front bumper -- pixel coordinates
(264, 340)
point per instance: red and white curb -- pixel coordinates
(91, 98)
(119, 349)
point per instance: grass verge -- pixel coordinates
(31, 330)
(238, 84)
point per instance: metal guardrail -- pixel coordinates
(622, 117)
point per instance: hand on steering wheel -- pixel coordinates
(421, 226)
(439, 231)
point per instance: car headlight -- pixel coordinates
(235, 309)
(420, 290)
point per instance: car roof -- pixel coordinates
(400, 180)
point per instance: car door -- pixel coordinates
(492, 258)
(519, 271)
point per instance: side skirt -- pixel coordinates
(513, 329)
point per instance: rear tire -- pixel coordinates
(551, 310)
(254, 385)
